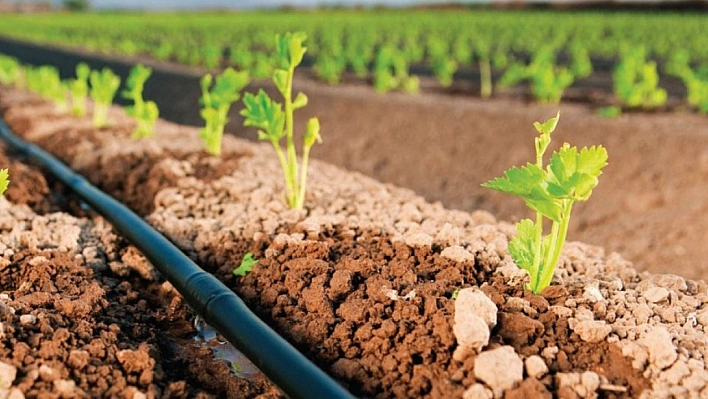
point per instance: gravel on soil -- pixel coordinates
(363, 280)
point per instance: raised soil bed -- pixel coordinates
(362, 280)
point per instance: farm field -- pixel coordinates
(363, 280)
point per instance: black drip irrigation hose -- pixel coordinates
(289, 369)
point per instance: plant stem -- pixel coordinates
(538, 251)
(100, 112)
(292, 169)
(559, 233)
(284, 165)
(485, 75)
(303, 178)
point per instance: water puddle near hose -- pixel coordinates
(238, 363)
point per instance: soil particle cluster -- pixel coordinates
(82, 312)
(364, 280)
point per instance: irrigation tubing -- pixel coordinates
(289, 369)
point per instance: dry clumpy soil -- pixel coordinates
(650, 205)
(363, 280)
(82, 313)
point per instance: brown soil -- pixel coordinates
(81, 313)
(362, 281)
(650, 203)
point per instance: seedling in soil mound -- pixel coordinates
(274, 123)
(217, 102)
(104, 85)
(78, 89)
(144, 112)
(570, 177)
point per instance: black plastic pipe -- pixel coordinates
(289, 369)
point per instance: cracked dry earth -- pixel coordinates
(363, 281)
(82, 313)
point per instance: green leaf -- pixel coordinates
(522, 247)
(227, 87)
(541, 202)
(4, 180)
(264, 113)
(280, 78)
(246, 265)
(592, 160)
(573, 174)
(300, 101)
(290, 50)
(548, 126)
(313, 133)
(297, 51)
(529, 183)
(518, 181)
(82, 71)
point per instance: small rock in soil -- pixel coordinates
(8, 373)
(658, 343)
(475, 314)
(500, 369)
(535, 367)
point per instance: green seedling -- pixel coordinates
(46, 82)
(391, 72)
(609, 112)
(548, 80)
(78, 89)
(359, 53)
(580, 66)
(550, 191)
(216, 104)
(330, 67)
(4, 180)
(104, 85)
(10, 71)
(442, 63)
(246, 265)
(275, 120)
(144, 112)
(636, 81)
(213, 54)
(696, 80)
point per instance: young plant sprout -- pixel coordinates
(274, 123)
(10, 71)
(246, 265)
(551, 191)
(78, 89)
(216, 104)
(144, 112)
(4, 180)
(104, 85)
(46, 82)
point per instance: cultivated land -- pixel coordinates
(362, 280)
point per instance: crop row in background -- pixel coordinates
(551, 50)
